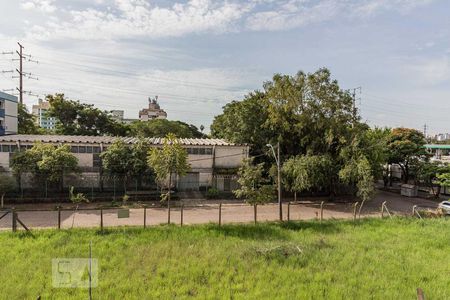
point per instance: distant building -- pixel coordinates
(40, 111)
(153, 111)
(214, 162)
(117, 115)
(442, 137)
(8, 114)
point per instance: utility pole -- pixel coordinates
(20, 71)
(353, 94)
(277, 160)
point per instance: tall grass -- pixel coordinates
(370, 259)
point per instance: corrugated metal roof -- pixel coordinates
(437, 146)
(25, 138)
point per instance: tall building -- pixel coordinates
(117, 115)
(8, 114)
(153, 111)
(40, 112)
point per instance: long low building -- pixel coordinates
(213, 161)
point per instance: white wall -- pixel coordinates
(230, 157)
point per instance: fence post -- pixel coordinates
(101, 219)
(414, 210)
(289, 211)
(382, 209)
(168, 211)
(355, 205)
(182, 212)
(220, 213)
(321, 210)
(14, 219)
(255, 211)
(145, 217)
(59, 217)
(420, 295)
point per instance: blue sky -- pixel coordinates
(198, 55)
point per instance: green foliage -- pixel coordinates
(78, 197)
(305, 172)
(370, 259)
(46, 162)
(359, 171)
(76, 118)
(243, 122)
(7, 184)
(117, 159)
(26, 121)
(171, 159)
(406, 148)
(253, 186)
(212, 193)
(162, 127)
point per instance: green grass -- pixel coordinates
(372, 259)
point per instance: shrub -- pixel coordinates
(212, 193)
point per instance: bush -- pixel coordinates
(212, 193)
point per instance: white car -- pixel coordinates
(445, 207)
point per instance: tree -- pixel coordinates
(76, 118)
(139, 165)
(306, 172)
(162, 127)
(359, 171)
(254, 188)
(47, 163)
(406, 148)
(116, 161)
(243, 122)
(26, 121)
(169, 160)
(429, 173)
(7, 184)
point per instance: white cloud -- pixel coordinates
(45, 6)
(433, 71)
(131, 18)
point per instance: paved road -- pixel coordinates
(206, 212)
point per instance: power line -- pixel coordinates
(20, 71)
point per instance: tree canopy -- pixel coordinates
(26, 121)
(406, 148)
(76, 118)
(163, 127)
(46, 162)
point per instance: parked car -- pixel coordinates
(444, 206)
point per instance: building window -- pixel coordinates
(88, 149)
(5, 148)
(208, 151)
(96, 149)
(74, 149)
(81, 149)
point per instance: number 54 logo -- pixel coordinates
(74, 272)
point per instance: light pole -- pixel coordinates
(277, 160)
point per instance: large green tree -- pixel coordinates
(244, 122)
(406, 148)
(26, 121)
(253, 186)
(168, 161)
(163, 127)
(76, 118)
(306, 172)
(46, 162)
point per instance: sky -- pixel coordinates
(198, 55)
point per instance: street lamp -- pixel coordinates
(277, 160)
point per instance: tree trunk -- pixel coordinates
(168, 197)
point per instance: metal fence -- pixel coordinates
(218, 213)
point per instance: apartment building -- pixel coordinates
(8, 114)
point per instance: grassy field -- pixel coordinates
(373, 259)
